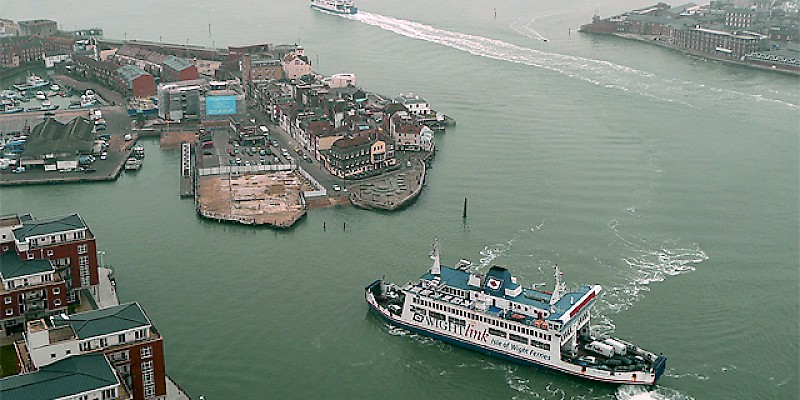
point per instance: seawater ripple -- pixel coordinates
(597, 72)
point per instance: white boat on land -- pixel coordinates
(41, 96)
(492, 314)
(32, 82)
(335, 6)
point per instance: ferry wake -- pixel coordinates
(493, 314)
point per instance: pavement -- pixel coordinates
(106, 293)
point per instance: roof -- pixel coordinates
(351, 143)
(130, 72)
(53, 137)
(12, 267)
(501, 277)
(105, 320)
(36, 227)
(177, 64)
(67, 377)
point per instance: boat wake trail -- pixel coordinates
(597, 72)
(629, 392)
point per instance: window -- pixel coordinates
(30, 256)
(9, 311)
(121, 338)
(146, 352)
(103, 342)
(497, 332)
(517, 338)
(57, 302)
(52, 355)
(69, 352)
(83, 248)
(86, 346)
(149, 390)
(110, 394)
(49, 253)
(7, 300)
(56, 290)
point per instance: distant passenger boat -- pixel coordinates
(335, 6)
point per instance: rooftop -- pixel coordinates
(105, 320)
(177, 64)
(64, 378)
(53, 137)
(12, 267)
(130, 72)
(36, 227)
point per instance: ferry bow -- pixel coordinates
(493, 314)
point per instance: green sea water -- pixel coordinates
(673, 182)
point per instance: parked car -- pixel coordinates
(336, 187)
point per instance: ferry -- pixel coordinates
(493, 314)
(32, 82)
(335, 6)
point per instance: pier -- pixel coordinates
(187, 183)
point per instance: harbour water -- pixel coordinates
(671, 181)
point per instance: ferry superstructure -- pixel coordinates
(493, 314)
(336, 6)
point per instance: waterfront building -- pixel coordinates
(296, 64)
(30, 289)
(721, 43)
(408, 134)
(53, 145)
(138, 83)
(179, 100)
(51, 58)
(38, 27)
(178, 69)
(123, 333)
(143, 58)
(8, 27)
(16, 50)
(67, 242)
(358, 157)
(255, 70)
(82, 377)
(414, 104)
(336, 81)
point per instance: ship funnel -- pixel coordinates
(436, 268)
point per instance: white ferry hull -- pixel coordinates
(513, 353)
(347, 10)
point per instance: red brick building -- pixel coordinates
(30, 289)
(179, 69)
(138, 83)
(67, 242)
(123, 333)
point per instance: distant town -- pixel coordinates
(268, 138)
(263, 138)
(754, 33)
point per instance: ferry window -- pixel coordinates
(457, 321)
(436, 315)
(517, 338)
(497, 332)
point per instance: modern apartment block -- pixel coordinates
(123, 333)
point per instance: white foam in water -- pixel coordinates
(597, 72)
(630, 392)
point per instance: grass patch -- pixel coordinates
(8, 361)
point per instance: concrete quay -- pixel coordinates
(392, 190)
